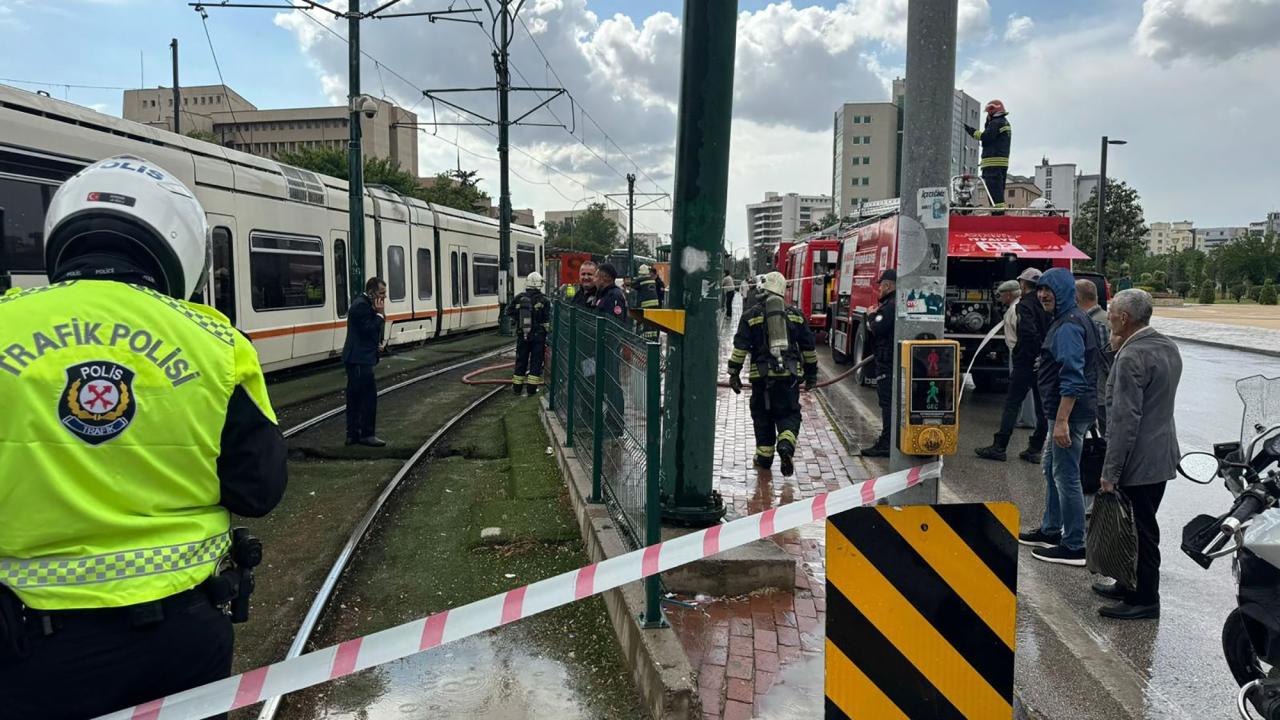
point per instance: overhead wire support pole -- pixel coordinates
(355, 105)
(631, 207)
(177, 90)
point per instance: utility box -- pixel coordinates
(929, 415)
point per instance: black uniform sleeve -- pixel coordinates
(741, 345)
(807, 345)
(252, 468)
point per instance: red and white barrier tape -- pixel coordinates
(426, 633)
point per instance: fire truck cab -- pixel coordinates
(810, 268)
(983, 251)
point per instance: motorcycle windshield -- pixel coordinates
(1261, 398)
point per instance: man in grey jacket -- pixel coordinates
(1142, 441)
(1087, 299)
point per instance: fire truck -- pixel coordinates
(984, 249)
(809, 266)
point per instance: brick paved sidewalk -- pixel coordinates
(761, 655)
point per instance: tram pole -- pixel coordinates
(177, 91)
(355, 164)
(506, 282)
(702, 178)
(926, 166)
(631, 227)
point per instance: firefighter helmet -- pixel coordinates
(533, 282)
(995, 107)
(774, 282)
(129, 206)
(642, 270)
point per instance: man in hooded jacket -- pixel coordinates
(1068, 381)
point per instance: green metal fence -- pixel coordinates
(606, 390)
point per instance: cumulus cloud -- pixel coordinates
(1211, 29)
(1018, 28)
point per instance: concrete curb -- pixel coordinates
(1220, 344)
(659, 665)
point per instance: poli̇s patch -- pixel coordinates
(98, 401)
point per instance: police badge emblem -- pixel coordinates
(97, 403)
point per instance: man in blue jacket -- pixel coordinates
(1068, 380)
(365, 319)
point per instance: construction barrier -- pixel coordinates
(430, 632)
(922, 612)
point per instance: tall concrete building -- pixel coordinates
(1208, 239)
(1168, 237)
(781, 218)
(238, 124)
(867, 147)
(1268, 225)
(1064, 186)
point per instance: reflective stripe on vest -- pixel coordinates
(62, 571)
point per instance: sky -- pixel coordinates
(1189, 83)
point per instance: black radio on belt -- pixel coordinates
(235, 584)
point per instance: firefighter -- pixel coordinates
(134, 423)
(995, 137)
(880, 325)
(647, 294)
(532, 313)
(659, 285)
(781, 348)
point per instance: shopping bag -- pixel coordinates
(1111, 545)
(1095, 451)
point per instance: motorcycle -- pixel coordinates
(1250, 532)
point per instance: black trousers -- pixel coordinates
(775, 416)
(1022, 380)
(1146, 502)
(884, 394)
(728, 302)
(362, 401)
(994, 178)
(96, 663)
(530, 355)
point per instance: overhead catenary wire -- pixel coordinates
(204, 21)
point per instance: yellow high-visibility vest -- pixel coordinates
(114, 400)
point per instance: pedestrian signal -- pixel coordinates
(930, 424)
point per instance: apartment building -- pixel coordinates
(782, 217)
(1168, 237)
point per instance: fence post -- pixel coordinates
(571, 392)
(653, 617)
(597, 424)
(555, 353)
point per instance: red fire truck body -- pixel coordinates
(983, 250)
(808, 265)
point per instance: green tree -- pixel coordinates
(204, 135)
(594, 231)
(828, 220)
(1207, 292)
(1238, 291)
(1182, 287)
(1160, 280)
(1268, 294)
(1123, 225)
(456, 189)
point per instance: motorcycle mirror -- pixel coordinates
(1199, 467)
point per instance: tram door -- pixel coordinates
(454, 316)
(221, 292)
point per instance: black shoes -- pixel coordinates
(788, 469)
(1109, 590)
(1030, 455)
(531, 390)
(880, 449)
(1125, 611)
(1060, 555)
(1039, 538)
(372, 441)
(517, 388)
(990, 452)
(763, 463)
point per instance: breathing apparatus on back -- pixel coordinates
(775, 320)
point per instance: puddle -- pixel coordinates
(797, 691)
(480, 678)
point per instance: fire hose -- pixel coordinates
(470, 378)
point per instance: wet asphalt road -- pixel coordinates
(1071, 663)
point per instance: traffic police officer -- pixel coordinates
(781, 347)
(880, 325)
(995, 138)
(609, 299)
(532, 313)
(647, 294)
(134, 422)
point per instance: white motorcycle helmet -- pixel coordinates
(774, 282)
(533, 281)
(127, 206)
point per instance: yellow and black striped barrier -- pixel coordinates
(922, 612)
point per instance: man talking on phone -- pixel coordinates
(365, 319)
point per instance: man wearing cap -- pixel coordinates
(1024, 335)
(880, 325)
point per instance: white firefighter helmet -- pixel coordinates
(533, 281)
(642, 270)
(774, 282)
(128, 206)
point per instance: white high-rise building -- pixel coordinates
(1168, 237)
(781, 217)
(1210, 238)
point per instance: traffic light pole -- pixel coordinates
(702, 177)
(926, 167)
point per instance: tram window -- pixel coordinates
(466, 280)
(453, 270)
(340, 277)
(487, 275)
(224, 274)
(542, 261)
(285, 271)
(395, 273)
(24, 204)
(424, 274)
(526, 261)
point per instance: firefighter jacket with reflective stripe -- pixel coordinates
(539, 307)
(647, 293)
(995, 139)
(752, 341)
(115, 398)
(611, 303)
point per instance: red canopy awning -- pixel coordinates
(1024, 244)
